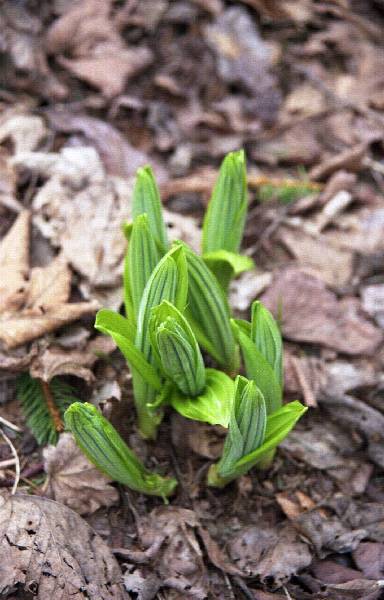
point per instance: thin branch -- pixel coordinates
(16, 458)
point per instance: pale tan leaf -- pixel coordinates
(73, 480)
(14, 263)
(49, 286)
(19, 328)
(78, 362)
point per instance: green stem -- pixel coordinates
(147, 419)
(215, 480)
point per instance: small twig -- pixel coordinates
(52, 408)
(229, 586)
(17, 461)
(4, 464)
(10, 425)
(289, 597)
(244, 588)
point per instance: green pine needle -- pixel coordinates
(44, 406)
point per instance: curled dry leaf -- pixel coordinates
(80, 209)
(168, 536)
(73, 480)
(98, 54)
(311, 313)
(118, 156)
(25, 131)
(33, 302)
(266, 552)
(54, 360)
(49, 550)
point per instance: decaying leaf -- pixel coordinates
(33, 302)
(55, 360)
(98, 54)
(80, 209)
(73, 480)
(332, 264)
(49, 551)
(269, 553)
(168, 536)
(244, 58)
(311, 313)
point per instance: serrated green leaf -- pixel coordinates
(257, 367)
(266, 336)
(246, 426)
(104, 447)
(226, 265)
(279, 424)
(176, 349)
(226, 213)
(122, 332)
(146, 199)
(143, 256)
(208, 312)
(213, 405)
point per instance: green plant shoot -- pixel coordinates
(252, 435)
(104, 447)
(225, 219)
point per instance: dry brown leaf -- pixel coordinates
(49, 550)
(81, 209)
(332, 264)
(267, 552)
(118, 156)
(244, 58)
(98, 53)
(25, 63)
(311, 313)
(171, 547)
(54, 360)
(73, 480)
(38, 305)
(247, 287)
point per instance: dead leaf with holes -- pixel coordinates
(73, 480)
(50, 551)
(33, 301)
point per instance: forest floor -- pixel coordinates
(92, 90)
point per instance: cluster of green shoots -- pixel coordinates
(177, 315)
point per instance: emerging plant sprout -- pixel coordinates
(177, 312)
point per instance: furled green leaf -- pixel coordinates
(169, 281)
(225, 217)
(208, 312)
(143, 256)
(102, 444)
(279, 424)
(226, 265)
(257, 367)
(266, 335)
(146, 199)
(246, 426)
(121, 332)
(213, 405)
(176, 349)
